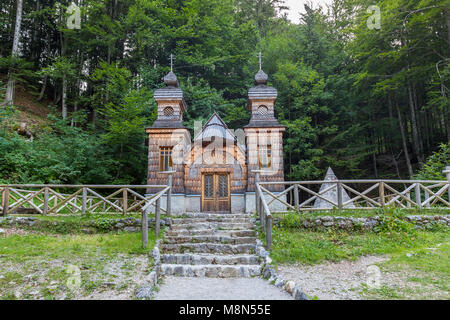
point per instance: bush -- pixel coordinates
(436, 163)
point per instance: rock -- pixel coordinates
(108, 284)
(131, 229)
(268, 272)
(280, 282)
(307, 224)
(370, 224)
(87, 231)
(145, 292)
(328, 224)
(289, 286)
(2, 231)
(119, 225)
(263, 253)
(268, 260)
(298, 294)
(152, 278)
(156, 254)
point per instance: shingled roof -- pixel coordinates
(215, 127)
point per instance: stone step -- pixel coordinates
(199, 259)
(209, 219)
(209, 239)
(211, 270)
(211, 232)
(212, 225)
(208, 248)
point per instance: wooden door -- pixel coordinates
(216, 192)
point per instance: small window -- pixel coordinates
(263, 110)
(168, 111)
(265, 157)
(165, 158)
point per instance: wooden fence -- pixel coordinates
(76, 199)
(359, 194)
(47, 199)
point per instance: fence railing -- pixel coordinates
(349, 195)
(46, 199)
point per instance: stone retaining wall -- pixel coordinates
(367, 223)
(128, 224)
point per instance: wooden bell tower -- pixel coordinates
(263, 134)
(168, 138)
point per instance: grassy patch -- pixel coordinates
(35, 266)
(355, 213)
(311, 247)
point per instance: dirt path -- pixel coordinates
(332, 281)
(175, 288)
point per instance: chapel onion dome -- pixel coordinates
(261, 77)
(261, 89)
(171, 90)
(171, 80)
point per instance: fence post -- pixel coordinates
(169, 195)
(83, 201)
(339, 195)
(45, 209)
(427, 195)
(381, 193)
(269, 232)
(5, 201)
(296, 203)
(447, 173)
(125, 201)
(144, 229)
(408, 195)
(418, 196)
(157, 216)
(256, 189)
(263, 213)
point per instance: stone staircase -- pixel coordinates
(210, 245)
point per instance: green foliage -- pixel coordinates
(436, 163)
(311, 247)
(340, 84)
(103, 224)
(393, 223)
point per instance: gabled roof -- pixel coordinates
(215, 127)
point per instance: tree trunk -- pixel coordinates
(405, 147)
(64, 80)
(9, 99)
(415, 131)
(44, 86)
(64, 98)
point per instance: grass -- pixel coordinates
(417, 262)
(35, 266)
(18, 248)
(312, 247)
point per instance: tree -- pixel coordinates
(9, 97)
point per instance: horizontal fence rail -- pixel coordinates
(346, 194)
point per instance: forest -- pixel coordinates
(371, 102)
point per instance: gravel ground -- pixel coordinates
(174, 288)
(332, 281)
